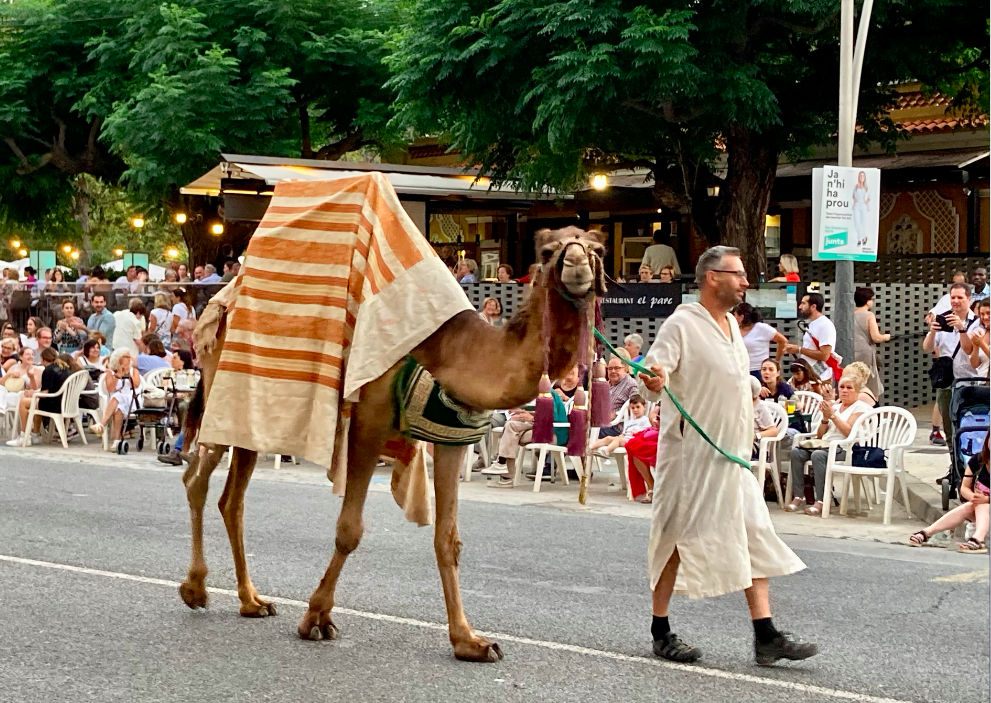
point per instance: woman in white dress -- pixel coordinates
(122, 384)
(861, 206)
(162, 319)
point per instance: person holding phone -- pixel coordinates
(949, 337)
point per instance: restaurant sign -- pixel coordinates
(641, 299)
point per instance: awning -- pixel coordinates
(411, 180)
(919, 159)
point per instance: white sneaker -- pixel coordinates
(496, 469)
(16, 442)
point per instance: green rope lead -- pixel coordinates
(684, 413)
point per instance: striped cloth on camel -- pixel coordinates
(337, 286)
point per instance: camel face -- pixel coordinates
(573, 259)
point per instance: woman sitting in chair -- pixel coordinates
(57, 368)
(121, 383)
(838, 419)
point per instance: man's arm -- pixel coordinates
(665, 352)
(929, 343)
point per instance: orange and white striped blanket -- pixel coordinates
(337, 285)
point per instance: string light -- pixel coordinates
(180, 218)
(118, 252)
(66, 248)
(172, 252)
(217, 229)
(15, 243)
(138, 222)
(23, 252)
(74, 255)
(599, 181)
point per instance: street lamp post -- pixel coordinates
(851, 63)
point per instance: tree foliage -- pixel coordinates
(550, 92)
(148, 93)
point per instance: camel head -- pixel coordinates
(571, 260)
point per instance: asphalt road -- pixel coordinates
(89, 558)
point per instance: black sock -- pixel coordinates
(764, 630)
(659, 627)
(502, 460)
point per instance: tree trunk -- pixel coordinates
(306, 151)
(81, 202)
(751, 166)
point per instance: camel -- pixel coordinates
(505, 364)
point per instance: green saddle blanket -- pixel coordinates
(426, 412)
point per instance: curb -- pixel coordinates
(925, 502)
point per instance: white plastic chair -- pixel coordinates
(807, 401)
(767, 459)
(153, 379)
(618, 456)
(889, 428)
(69, 396)
(540, 452)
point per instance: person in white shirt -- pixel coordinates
(956, 343)
(757, 337)
(125, 282)
(659, 255)
(636, 422)
(838, 419)
(819, 339)
(129, 328)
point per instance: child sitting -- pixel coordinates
(636, 422)
(974, 489)
(764, 425)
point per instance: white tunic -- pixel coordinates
(709, 508)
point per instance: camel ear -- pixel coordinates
(547, 241)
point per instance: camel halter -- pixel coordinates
(677, 404)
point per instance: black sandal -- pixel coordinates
(917, 539)
(673, 649)
(972, 546)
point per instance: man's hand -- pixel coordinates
(655, 384)
(955, 322)
(792, 349)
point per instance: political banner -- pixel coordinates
(845, 217)
(641, 299)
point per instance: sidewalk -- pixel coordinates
(924, 464)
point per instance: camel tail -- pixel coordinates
(194, 413)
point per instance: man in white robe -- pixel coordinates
(710, 532)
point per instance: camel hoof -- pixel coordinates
(484, 652)
(317, 633)
(194, 597)
(259, 610)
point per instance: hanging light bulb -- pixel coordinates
(74, 255)
(15, 243)
(180, 218)
(66, 248)
(138, 222)
(118, 252)
(172, 252)
(23, 252)
(599, 181)
(217, 229)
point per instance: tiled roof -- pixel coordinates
(916, 99)
(940, 125)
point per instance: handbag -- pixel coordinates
(153, 398)
(868, 457)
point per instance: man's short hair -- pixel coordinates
(959, 272)
(965, 287)
(635, 338)
(709, 261)
(137, 306)
(210, 268)
(659, 236)
(817, 300)
(99, 295)
(43, 329)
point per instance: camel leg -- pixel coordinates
(447, 545)
(232, 508)
(371, 425)
(197, 481)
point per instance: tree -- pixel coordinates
(148, 94)
(550, 92)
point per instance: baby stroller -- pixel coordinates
(969, 415)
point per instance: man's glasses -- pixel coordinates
(738, 274)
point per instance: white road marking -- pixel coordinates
(497, 636)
